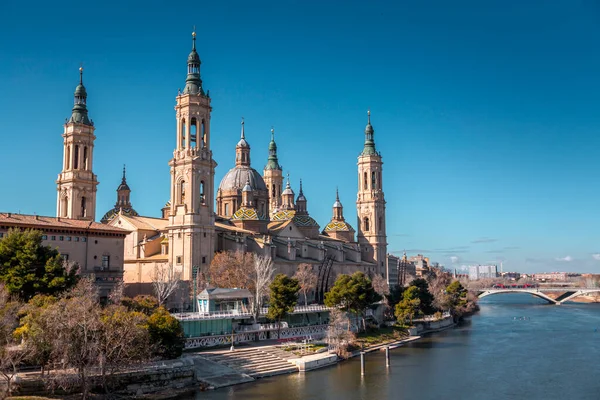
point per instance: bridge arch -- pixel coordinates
(533, 292)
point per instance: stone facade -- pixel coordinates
(96, 248)
(253, 213)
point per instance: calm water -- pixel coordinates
(553, 354)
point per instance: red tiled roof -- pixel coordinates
(41, 222)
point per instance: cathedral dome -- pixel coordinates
(237, 177)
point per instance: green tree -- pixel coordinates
(166, 334)
(410, 306)
(34, 330)
(283, 298)
(459, 301)
(352, 293)
(425, 296)
(28, 268)
(141, 303)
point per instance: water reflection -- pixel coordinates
(551, 355)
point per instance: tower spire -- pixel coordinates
(272, 161)
(79, 113)
(369, 148)
(124, 180)
(193, 83)
(243, 136)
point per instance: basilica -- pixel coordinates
(247, 211)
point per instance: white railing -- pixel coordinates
(244, 313)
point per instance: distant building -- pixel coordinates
(482, 272)
(513, 276)
(555, 276)
(421, 264)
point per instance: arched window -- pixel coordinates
(373, 182)
(226, 209)
(202, 197)
(380, 183)
(193, 132)
(83, 206)
(365, 182)
(182, 192)
(203, 133)
(68, 158)
(183, 131)
(64, 205)
(273, 190)
(76, 158)
(380, 223)
(366, 224)
(85, 158)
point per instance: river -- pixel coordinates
(547, 352)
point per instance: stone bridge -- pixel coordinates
(566, 294)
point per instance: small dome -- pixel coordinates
(338, 226)
(248, 214)
(288, 190)
(242, 143)
(193, 58)
(123, 186)
(337, 204)
(247, 188)
(301, 198)
(237, 177)
(369, 128)
(80, 91)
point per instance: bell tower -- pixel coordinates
(273, 177)
(370, 204)
(191, 214)
(77, 184)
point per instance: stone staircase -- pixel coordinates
(255, 362)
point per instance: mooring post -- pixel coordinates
(362, 363)
(387, 356)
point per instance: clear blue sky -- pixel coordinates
(486, 113)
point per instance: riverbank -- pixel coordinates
(206, 370)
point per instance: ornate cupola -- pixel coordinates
(242, 150)
(338, 209)
(272, 161)
(301, 202)
(79, 114)
(123, 204)
(369, 148)
(123, 193)
(287, 196)
(247, 195)
(338, 228)
(193, 83)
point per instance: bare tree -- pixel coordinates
(11, 355)
(232, 269)
(117, 293)
(339, 335)
(380, 285)
(261, 278)
(123, 341)
(164, 281)
(74, 322)
(307, 278)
